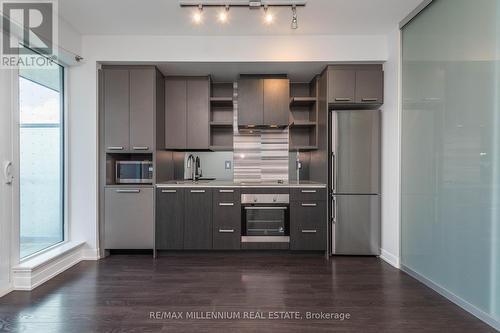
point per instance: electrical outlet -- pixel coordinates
(227, 165)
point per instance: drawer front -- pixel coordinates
(308, 226)
(226, 195)
(226, 225)
(270, 190)
(308, 194)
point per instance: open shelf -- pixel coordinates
(302, 100)
(221, 124)
(303, 123)
(303, 115)
(221, 116)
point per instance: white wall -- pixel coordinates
(83, 89)
(391, 152)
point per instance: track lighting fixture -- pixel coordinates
(268, 16)
(197, 16)
(223, 15)
(295, 23)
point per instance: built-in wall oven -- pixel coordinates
(265, 218)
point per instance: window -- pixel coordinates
(41, 158)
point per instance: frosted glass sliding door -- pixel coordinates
(451, 150)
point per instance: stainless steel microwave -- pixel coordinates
(134, 172)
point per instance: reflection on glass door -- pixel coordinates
(41, 167)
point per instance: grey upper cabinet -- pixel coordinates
(370, 86)
(355, 85)
(250, 102)
(142, 106)
(263, 101)
(128, 218)
(187, 112)
(342, 86)
(116, 110)
(169, 219)
(129, 109)
(175, 113)
(198, 113)
(276, 102)
(198, 219)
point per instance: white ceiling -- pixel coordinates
(165, 17)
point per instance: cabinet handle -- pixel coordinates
(313, 231)
(115, 148)
(369, 99)
(140, 148)
(228, 231)
(128, 191)
(343, 99)
(309, 205)
(168, 191)
(226, 191)
(226, 204)
(197, 191)
(308, 191)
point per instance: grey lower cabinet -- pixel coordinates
(308, 225)
(198, 219)
(187, 112)
(128, 218)
(226, 219)
(169, 231)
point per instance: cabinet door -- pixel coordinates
(341, 86)
(128, 218)
(198, 219)
(116, 110)
(169, 219)
(226, 219)
(198, 113)
(370, 87)
(250, 102)
(175, 114)
(276, 102)
(308, 226)
(142, 109)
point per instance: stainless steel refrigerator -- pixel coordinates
(355, 182)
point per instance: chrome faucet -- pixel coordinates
(191, 165)
(194, 165)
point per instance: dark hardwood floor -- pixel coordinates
(117, 294)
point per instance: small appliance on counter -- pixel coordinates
(134, 172)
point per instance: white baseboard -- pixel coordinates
(390, 258)
(480, 314)
(90, 254)
(5, 291)
(29, 275)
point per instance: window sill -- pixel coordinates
(32, 272)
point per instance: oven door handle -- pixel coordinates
(266, 208)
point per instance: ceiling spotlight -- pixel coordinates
(268, 16)
(223, 15)
(295, 23)
(197, 16)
